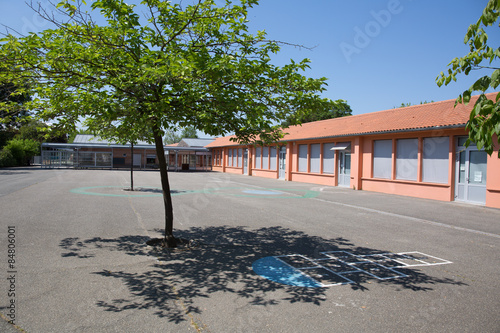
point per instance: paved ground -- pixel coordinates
(81, 263)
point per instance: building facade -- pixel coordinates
(87, 151)
(414, 151)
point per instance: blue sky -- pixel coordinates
(375, 54)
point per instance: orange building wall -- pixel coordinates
(493, 180)
(362, 165)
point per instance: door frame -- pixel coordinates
(282, 163)
(466, 168)
(344, 179)
(245, 161)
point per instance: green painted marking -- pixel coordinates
(88, 191)
(307, 195)
(217, 191)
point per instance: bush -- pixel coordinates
(6, 158)
(18, 152)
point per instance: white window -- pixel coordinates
(435, 161)
(230, 158)
(302, 158)
(240, 156)
(314, 159)
(328, 158)
(265, 158)
(272, 158)
(257, 157)
(382, 159)
(407, 159)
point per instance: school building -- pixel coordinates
(88, 151)
(413, 151)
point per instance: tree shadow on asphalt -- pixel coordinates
(219, 260)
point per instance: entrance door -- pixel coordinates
(282, 163)
(245, 162)
(344, 169)
(471, 175)
(137, 160)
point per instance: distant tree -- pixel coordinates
(178, 65)
(484, 121)
(403, 105)
(338, 108)
(189, 132)
(174, 136)
(171, 136)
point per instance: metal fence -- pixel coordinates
(76, 159)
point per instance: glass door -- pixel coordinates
(471, 175)
(245, 162)
(344, 169)
(282, 163)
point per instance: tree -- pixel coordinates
(404, 105)
(12, 111)
(173, 136)
(176, 66)
(484, 121)
(338, 108)
(189, 132)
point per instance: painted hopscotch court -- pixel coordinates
(336, 268)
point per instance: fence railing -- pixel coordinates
(76, 159)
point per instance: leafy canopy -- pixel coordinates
(484, 121)
(158, 66)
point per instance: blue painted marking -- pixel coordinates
(276, 270)
(262, 192)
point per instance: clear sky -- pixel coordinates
(375, 54)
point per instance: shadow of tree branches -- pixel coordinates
(220, 260)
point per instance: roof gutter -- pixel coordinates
(381, 132)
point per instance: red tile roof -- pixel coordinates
(417, 117)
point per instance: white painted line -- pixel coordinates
(415, 219)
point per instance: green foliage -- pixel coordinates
(484, 121)
(12, 100)
(18, 152)
(7, 158)
(189, 132)
(403, 105)
(194, 66)
(173, 136)
(334, 109)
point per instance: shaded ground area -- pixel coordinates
(219, 259)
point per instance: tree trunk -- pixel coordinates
(132, 166)
(170, 241)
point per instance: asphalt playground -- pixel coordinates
(264, 256)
